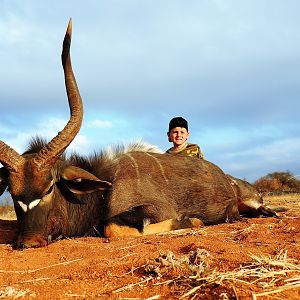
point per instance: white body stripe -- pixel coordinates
(160, 167)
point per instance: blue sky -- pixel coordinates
(231, 68)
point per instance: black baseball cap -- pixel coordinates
(178, 122)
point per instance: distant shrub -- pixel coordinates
(278, 182)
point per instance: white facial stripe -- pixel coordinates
(34, 203)
(23, 206)
(31, 205)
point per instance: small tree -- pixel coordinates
(278, 182)
(265, 185)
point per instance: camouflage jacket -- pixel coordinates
(192, 150)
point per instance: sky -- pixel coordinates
(230, 67)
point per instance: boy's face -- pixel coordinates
(178, 136)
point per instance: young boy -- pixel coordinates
(178, 134)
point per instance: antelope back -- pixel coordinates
(169, 186)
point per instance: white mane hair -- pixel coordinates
(113, 151)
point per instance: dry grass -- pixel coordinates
(7, 212)
(192, 271)
(291, 201)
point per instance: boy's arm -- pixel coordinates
(200, 154)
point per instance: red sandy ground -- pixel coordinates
(98, 268)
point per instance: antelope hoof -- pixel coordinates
(187, 223)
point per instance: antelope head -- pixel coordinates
(31, 178)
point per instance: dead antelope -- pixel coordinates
(132, 193)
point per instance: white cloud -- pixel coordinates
(279, 150)
(50, 127)
(13, 30)
(99, 124)
(258, 160)
(18, 138)
(81, 144)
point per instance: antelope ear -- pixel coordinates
(3, 180)
(79, 181)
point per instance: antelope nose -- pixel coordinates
(33, 241)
